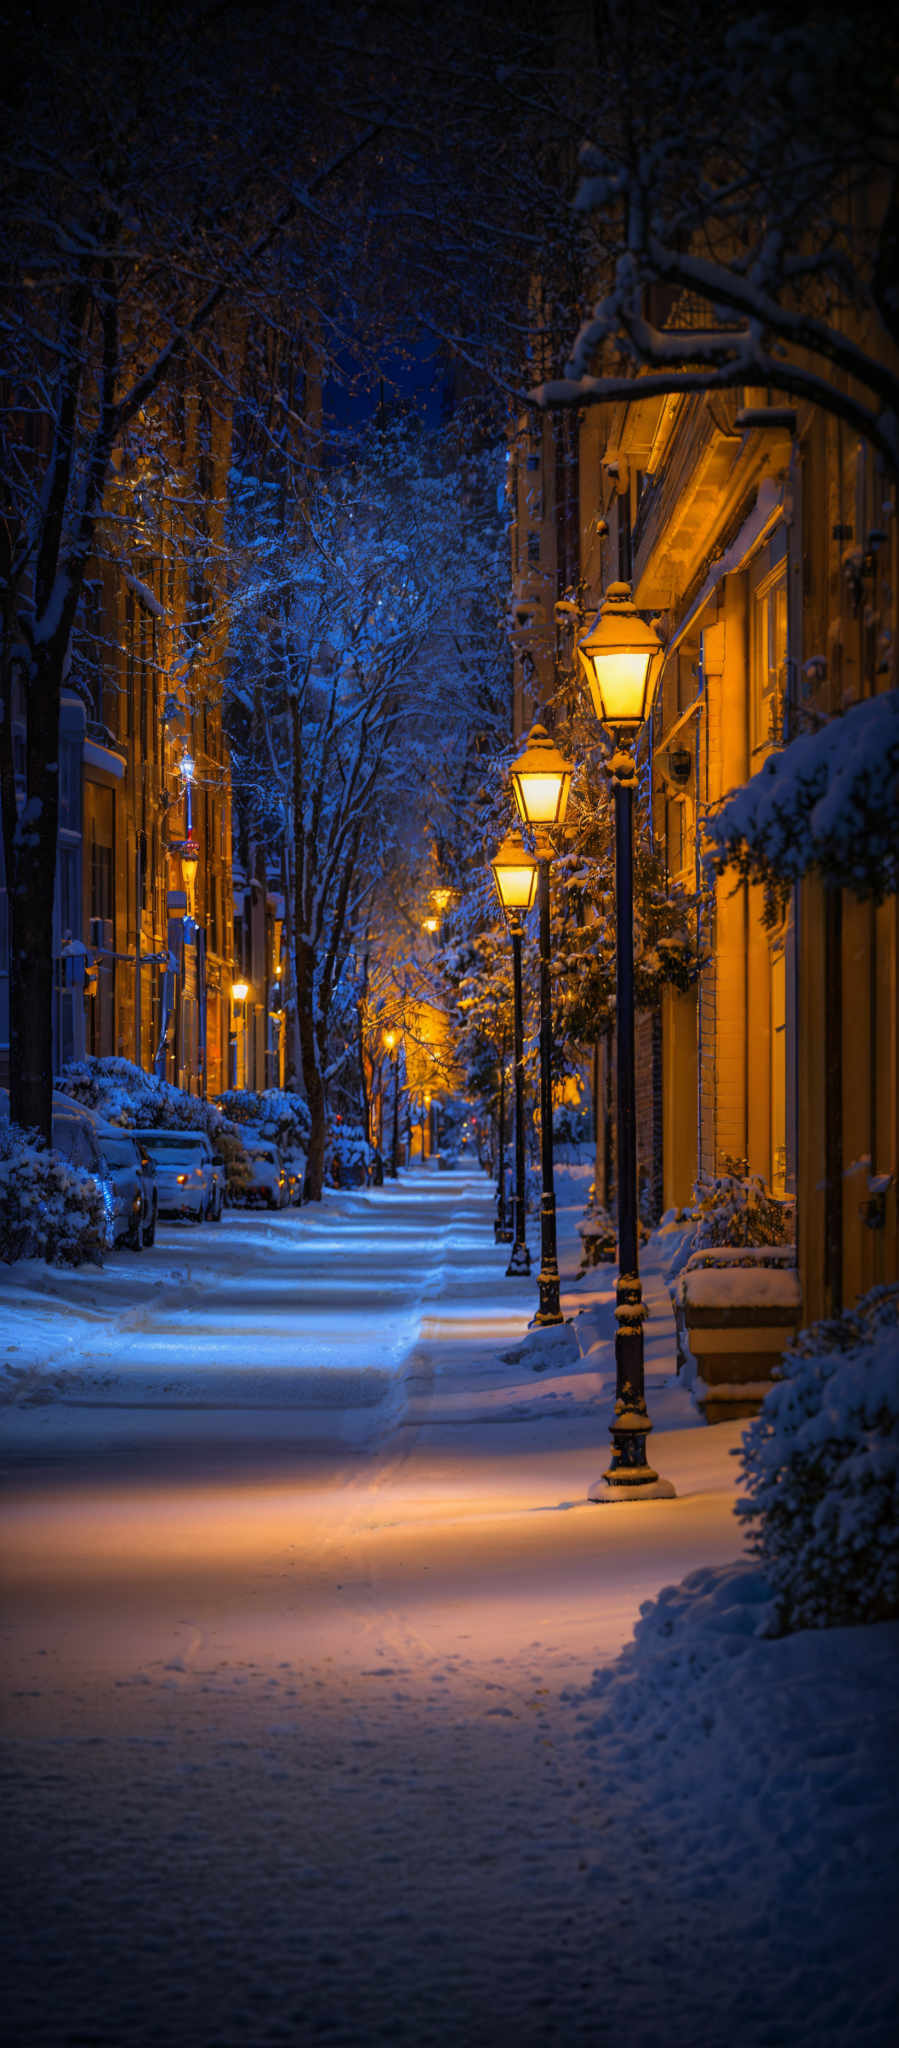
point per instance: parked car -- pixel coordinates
(150, 1196)
(268, 1181)
(123, 1174)
(295, 1169)
(185, 1177)
(112, 1156)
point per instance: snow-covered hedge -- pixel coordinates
(277, 1113)
(123, 1093)
(821, 1468)
(731, 1209)
(48, 1209)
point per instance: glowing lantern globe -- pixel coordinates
(515, 875)
(541, 780)
(621, 657)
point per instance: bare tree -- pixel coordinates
(738, 195)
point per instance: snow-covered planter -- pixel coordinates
(821, 1469)
(827, 801)
(48, 1209)
(735, 1292)
(738, 1310)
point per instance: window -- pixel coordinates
(69, 785)
(778, 1069)
(769, 654)
(533, 550)
(675, 835)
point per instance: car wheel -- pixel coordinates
(134, 1236)
(217, 1209)
(150, 1232)
(273, 1201)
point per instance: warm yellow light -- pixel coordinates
(441, 898)
(431, 924)
(621, 657)
(240, 991)
(515, 874)
(390, 1040)
(541, 780)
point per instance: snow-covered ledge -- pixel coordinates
(740, 1309)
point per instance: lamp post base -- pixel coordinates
(550, 1308)
(519, 1265)
(501, 1233)
(612, 1489)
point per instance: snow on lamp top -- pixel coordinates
(621, 657)
(541, 780)
(515, 873)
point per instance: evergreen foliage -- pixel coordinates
(821, 1467)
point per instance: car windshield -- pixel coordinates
(268, 1152)
(171, 1141)
(116, 1151)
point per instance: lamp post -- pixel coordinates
(541, 780)
(239, 993)
(622, 656)
(391, 1044)
(515, 875)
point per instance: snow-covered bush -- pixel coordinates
(731, 1209)
(48, 1209)
(821, 1468)
(277, 1113)
(347, 1156)
(123, 1093)
(572, 1125)
(599, 1238)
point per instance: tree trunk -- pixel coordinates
(313, 1078)
(32, 886)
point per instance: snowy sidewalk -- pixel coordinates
(303, 1741)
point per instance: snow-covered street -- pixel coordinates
(303, 1605)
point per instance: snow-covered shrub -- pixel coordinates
(347, 1156)
(123, 1093)
(572, 1125)
(48, 1208)
(599, 1238)
(821, 1468)
(731, 1209)
(277, 1113)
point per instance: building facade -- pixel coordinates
(142, 916)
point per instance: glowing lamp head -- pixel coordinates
(190, 859)
(541, 780)
(432, 924)
(240, 991)
(441, 898)
(390, 1041)
(621, 657)
(186, 767)
(515, 875)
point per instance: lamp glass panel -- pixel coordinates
(621, 685)
(538, 797)
(515, 885)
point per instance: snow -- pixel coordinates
(735, 1286)
(317, 1724)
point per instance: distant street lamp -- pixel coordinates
(622, 657)
(393, 1051)
(541, 781)
(239, 993)
(515, 875)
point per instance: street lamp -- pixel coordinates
(622, 657)
(391, 1044)
(515, 875)
(541, 780)
(239, 993)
